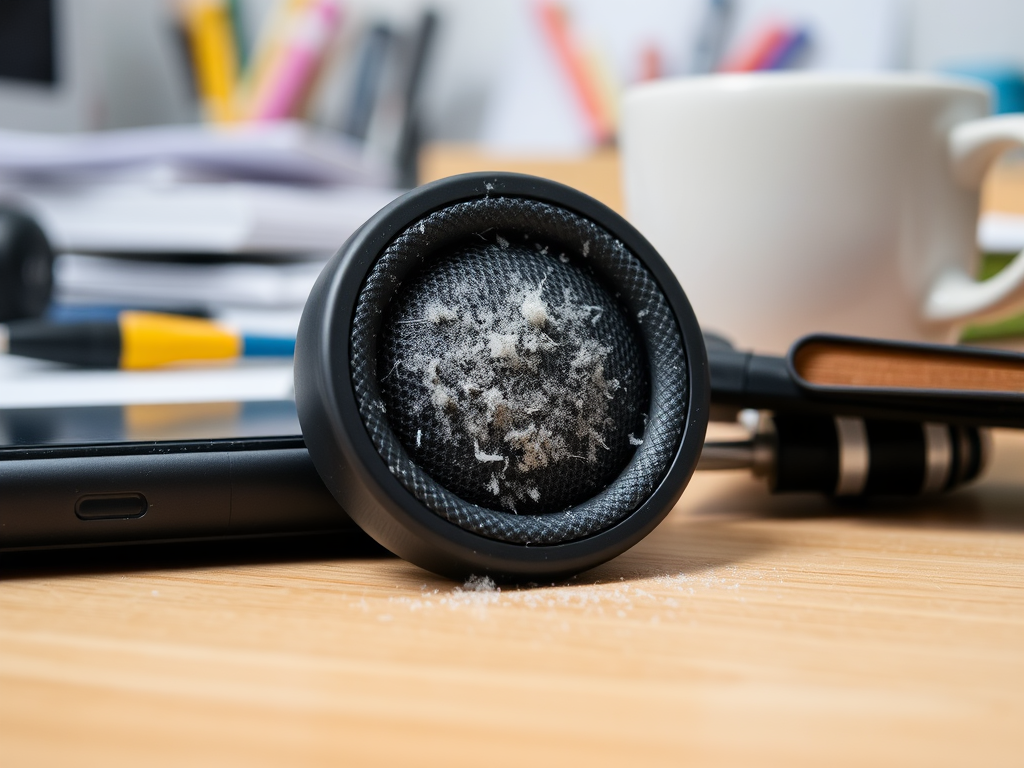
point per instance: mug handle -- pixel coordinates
(957, 295)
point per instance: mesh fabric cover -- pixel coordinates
(449, 241)
(508, 414)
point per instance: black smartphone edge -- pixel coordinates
(104, 493)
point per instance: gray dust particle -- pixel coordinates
(479, 584)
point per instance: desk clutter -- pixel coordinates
(542, 380)
(553, 422)
(305, 58)
(298, 466)
(307, 125)
(187, 218)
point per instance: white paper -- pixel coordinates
(26, 383)
(85, 279)
(281, 151)
(197, 217)
(1001, 232)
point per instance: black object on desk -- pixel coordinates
(848, 456)
(861, 417)
(870, 378)
(26, 266)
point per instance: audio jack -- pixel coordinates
(852, 456)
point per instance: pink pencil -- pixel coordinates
(759, 51)
(556, 27)
(288, 79)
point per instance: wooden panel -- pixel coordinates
(874, 367)
(1003, 189)
(596, 174)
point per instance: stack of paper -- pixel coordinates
(198, 217)
(85, 279)
(262, 188)
(26, 383)
(233, 221)
(279, 151)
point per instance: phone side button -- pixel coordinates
(111, 506)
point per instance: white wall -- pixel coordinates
(473, 43)
(949, 31)
(474, 39)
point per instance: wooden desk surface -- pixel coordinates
(747, 630)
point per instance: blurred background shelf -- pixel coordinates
(596, 173)
(359, 99)
(1003, 190)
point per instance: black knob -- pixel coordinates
(26, 266)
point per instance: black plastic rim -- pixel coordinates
(349, 463)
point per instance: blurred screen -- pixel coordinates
(27, 427)
(27, 46)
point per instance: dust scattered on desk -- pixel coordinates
(663, 593)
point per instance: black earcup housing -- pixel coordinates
(497, 374)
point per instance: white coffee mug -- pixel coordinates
(803, 202)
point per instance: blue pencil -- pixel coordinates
(785, 55)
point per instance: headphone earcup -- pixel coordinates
(545, 348)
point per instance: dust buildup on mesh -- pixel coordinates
(512, 377)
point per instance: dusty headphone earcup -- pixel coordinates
(498, 375)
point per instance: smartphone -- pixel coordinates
(100, 475)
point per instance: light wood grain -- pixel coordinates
(596, 173)
(747, 630)
(1003, 189)
(874, 367)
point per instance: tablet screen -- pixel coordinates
(98, 425)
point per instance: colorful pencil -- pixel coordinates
(287, 80)
(215, 59)
(556, 29)
(713, 36)
(754, 56)
(237, 17)
(788, 50)
(271, 41)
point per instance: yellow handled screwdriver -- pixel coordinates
(137, 340)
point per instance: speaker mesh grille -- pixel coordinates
(512, 377)
(499, 231)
